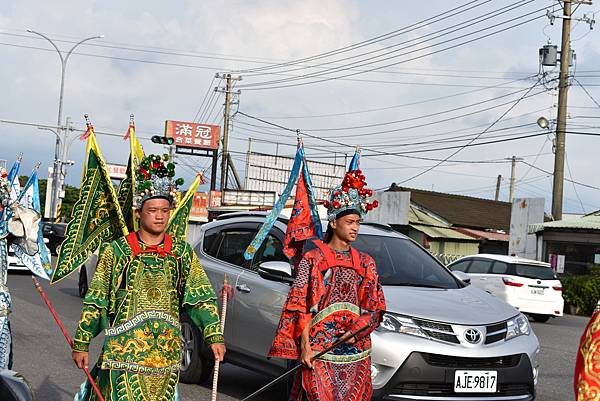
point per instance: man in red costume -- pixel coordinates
(335, 293)
(587, 368)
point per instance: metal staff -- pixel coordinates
(213, 395)
(64, 331)
(295, 368)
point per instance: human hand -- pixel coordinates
(218, 351)
(80, 359)
(348, 337)
(306, 356)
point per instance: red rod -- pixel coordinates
(64, 331)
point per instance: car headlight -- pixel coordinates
(400, 324)
(518, 326)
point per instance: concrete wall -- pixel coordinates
(525, 211)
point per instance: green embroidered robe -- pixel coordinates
(136, 300)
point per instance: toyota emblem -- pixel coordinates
(473, 336)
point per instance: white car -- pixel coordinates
(529, 285)
(14, 263)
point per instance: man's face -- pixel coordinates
(346, 227)
(154, 215)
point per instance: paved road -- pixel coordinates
(559, 339)
(43, 357)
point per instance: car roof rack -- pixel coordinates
(234, 215)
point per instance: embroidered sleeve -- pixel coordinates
(372, 301)
(94, 314)
(200, 300)
(298, 310)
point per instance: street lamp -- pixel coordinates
(63, 59)
(543, 122)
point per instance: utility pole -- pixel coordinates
(513, 178)
(226, 122)
(498, 182)
(561, 119)
(513, 167)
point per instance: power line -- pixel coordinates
(574, 187)
(474, 139)
(462, 25)
(422, 125)
(398, 105)
(569, 180)
(364, 43)
(267, 61)
(210, 87)
(587, 93)
(213, 68)
(479, 102)
(316, 75)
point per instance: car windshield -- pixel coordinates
(536, 272)
(402, 263)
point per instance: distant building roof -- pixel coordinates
(433, 226)
(463, 211)
(589, 222)
(486, 235)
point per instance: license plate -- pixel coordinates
(475, 381)
(537, 291)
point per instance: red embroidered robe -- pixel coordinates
(334, 292)
(587, 369)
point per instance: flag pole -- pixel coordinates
(67, 337)
(215, 382)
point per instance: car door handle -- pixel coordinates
(243, 288)
(482, 278)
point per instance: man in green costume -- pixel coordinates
(141, 284)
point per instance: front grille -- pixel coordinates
(447, 389)
(438, 331)
(495, 332)
(446, 361)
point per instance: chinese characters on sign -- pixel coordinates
(117, 171)
(202, 202)
(193, 135)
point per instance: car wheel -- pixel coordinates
(540, 318)
(195, 366)
(83, 282)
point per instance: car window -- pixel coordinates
(233, 245)
(460, 266)
(212, 240)
(480, 266)
(403, 263)
(271, 250)
(499, 268)
(535, 272)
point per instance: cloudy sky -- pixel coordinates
(436, 79)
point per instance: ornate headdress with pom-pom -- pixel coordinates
(351, 196)
(155, 179)
(4, 188)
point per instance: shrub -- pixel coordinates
(583, 292)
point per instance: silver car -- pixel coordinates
(440, 339)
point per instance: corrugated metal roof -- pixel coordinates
(442, 232)
(480, 234)
(590, 222)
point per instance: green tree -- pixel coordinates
(71, 195)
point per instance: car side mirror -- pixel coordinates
(276, 271)
(462, 276)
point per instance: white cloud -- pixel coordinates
(109, 90)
